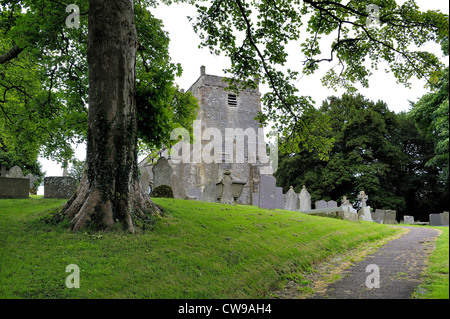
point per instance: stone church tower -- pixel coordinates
(228, 119)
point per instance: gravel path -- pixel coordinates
(400, 263)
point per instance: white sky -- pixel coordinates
(184, 49)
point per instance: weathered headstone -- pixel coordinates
(14, 187)
(444, 219)
(227, 194)
(210, 192)
(390, 217)
(3, 171)
(15, 172)
(408, 219)
(196, 192)
(255, 199)
(365, 214)
(267, 187)
(363, 198)
(345, 201)
(331, 204)
(59, 187)
(291, 200)
(162, 173)
(305, 199)
(378, 216)
(435, 220)
(144, 179)
(321, 204)
(279, 198)
(31, 178)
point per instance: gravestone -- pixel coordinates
(3, 171)
(162, 173)
(365, 214)
(345, 201)
(363, 198)
(378, 216)
(15, 172)
(144, 178)
(331, 204)
(291, 200)
(227, 194)
(390, 217)
(14, 187)
(435, 220)
(196, 192)
(210, 192)
(305, 199)
(255, 199)
(279, 198)
(32, 180)
(59, 187)
(321, 204)
(408, 219)
(267, 187)
(444, 219)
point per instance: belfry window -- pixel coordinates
(232, 100)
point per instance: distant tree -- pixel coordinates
(363, 156)
(417, 182)
(375, 150)
(77, 169)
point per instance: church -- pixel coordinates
(227, 140)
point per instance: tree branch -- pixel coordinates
(11, 54)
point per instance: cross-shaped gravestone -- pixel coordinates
(363, 197)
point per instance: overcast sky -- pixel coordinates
(184, 49)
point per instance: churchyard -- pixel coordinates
(197, 250)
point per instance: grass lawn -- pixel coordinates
(198, 250)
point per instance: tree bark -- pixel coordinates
(110, 191)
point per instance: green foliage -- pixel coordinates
(44, 89)
(431, 115)
(164, 191)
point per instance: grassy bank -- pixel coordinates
(436, 285)
(198, 250)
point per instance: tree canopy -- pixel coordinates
(44, 69)
(44, 80)
(255, 36)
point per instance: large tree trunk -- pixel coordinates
(110, 191)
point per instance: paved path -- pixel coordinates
(400, 263)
